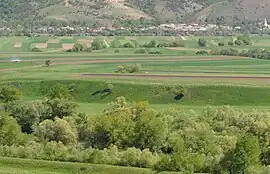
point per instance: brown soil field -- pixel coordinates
(17, 45)
(67, 46)
(40, 45)
(53, 41)
(186, 49)
(84, 41)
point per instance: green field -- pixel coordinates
(208, 80)
(24, 166)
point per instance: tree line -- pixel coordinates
(256, 53)
(218, 140)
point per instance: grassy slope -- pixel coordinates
(23, 166)
(155, 94)
(28, 166)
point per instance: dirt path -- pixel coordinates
(176, 76)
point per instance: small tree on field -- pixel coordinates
(230, 43)
(8, 95)
(48, 63)
(202, 42)
(77, 48)
(247, 154)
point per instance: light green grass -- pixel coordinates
(25, 166)
(54, 45)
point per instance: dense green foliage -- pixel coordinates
(253, 53)
(132, 68)
(133, 134)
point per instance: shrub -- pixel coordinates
(128, 45)
(116, 44)
(120, 69)
(221, 44)
(202, 42)
(140, 51)
(226, 52)
(89, 49)
(98, 44)
(238, 42)
(154, 51)
(128, 68)
(163, 45)
(230, 43)
(202, 52)
(35, 49)
(151, 44)
(77, 48)
(48, 63)
(245, 39)
(117, 51)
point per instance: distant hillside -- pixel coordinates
(33, 13)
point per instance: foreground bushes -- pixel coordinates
(217, 140)
(57, 151)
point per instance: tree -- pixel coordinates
(8, 95)
(151, 131)
(59, 91)
(238, 42)
(59, 130)
(35, 49)
(10, 131)
(202, 42)
(59, 108)
(247, 153)
(48, 63)
(77, 48)
(25, 117)
(230, 43)
(98, 44)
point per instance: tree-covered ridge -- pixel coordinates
(38, 13)
(223, 140)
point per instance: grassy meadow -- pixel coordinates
(209, 81)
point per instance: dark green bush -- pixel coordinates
(230, 43)
(238, 42)
(202, 42)
(221, 44)
(202, 52)
(35, 49)
(140, 51)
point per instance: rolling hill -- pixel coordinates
(81, 12)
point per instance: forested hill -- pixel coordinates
(34, 13)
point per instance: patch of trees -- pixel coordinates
(202, 52)
(147, 51)
(128, 68)
(35, 49)
(202, 42)
(217, 140)
(97, 44)
(80, 48)
(253, 53)
(155, 44)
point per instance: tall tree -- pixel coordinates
(8, 95)
(247, 154)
